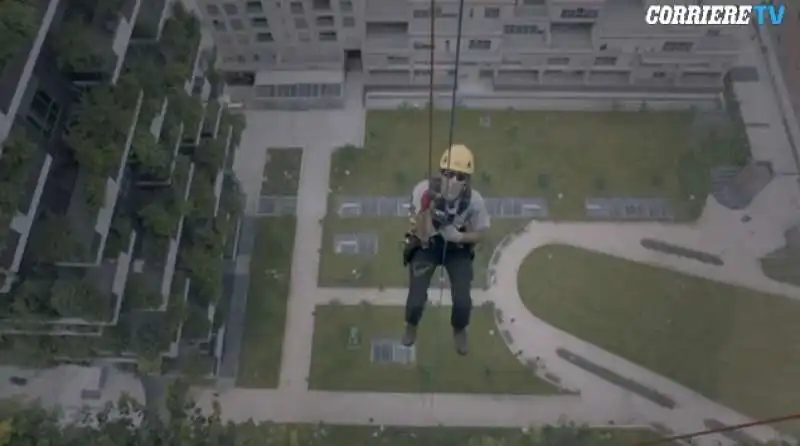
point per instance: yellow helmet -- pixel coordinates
(458, 159)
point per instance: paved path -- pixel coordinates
(719, 231)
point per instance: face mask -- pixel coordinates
(451, 188)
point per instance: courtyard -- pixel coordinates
(543, 165)
(733, 345)
(270, 275)
(342, 363)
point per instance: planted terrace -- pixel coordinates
(91, 40)
(99, 136)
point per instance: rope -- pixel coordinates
(735, 427)
(452, 111)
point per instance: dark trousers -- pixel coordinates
(458, 264)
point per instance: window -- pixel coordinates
(480, 44)
(219, 26)
(521, 29)
(348, 22)
(265, 91)
(397, 59)
(237, 25)
(331, 90)
(259, 22)
(43, 113)
(322, 5)
(254, 7)
(264, 37)
(287, 91)
(659, 75)
(300, 23)
(422, 46)
(712, 33)
(325, 21)
(533, 2)
(346, 5)
(558, 61)
(421, 13)
(256, 57)
(491, 13)
(683, 47)
(240, 58)
(327, 36)
(579, 13)
(212, 9)
(230, 8)
(296, 7)
(605, 61)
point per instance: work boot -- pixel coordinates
(460, 339)
(410, 335)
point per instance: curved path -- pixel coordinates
(535, 337)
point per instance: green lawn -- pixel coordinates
(733, 345)
(386, 269)
(634, 153)
(489, 368)
(343, 435)
(282, 171)
(270, 268)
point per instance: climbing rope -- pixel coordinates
(451, 128)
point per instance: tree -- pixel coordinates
(79, 298)
(17, 154)
(77, 48)
(146, 151)
(209, 154)
(18, 23)
(202, 198)
(159, 218)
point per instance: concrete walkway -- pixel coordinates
(719, 231)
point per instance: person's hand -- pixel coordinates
(451, 234)
(421, 226)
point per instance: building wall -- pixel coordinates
(506, 43)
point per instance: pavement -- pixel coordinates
(719, 231)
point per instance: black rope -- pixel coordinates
(451, 131)
(430, 91)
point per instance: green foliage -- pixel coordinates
(139, 293)
(187, 425)
(201, 199)
(160, 217)
(18, 24)
(210, 154)
(204, 265)
(147, 152)
(78, 47)
(79, 298)
(15, 161)
(53, 239)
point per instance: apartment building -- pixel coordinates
(506, 44)
(119, 210)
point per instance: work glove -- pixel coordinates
(451, 234)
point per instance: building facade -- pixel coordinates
(119, 206)
(506, 44)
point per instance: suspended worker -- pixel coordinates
(448, 219)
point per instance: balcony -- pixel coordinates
(21, 44)
(150, 21)
(154, 159)
(23, 170)
(609, 78)
(386, 10)
(67, 300)
(212, 119)
(92, 39)
(516, 78)
(101, 136)
(571, 36)
(155, 256)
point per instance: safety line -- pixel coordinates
(734, 427)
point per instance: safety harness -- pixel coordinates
(442, 214)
